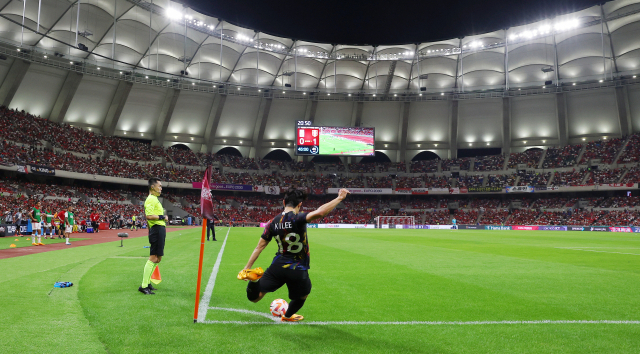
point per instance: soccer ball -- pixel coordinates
(278, 307)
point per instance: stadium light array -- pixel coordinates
(546, 29)
(174, 14)
(544, 141)
(98, 68)
(45, 57)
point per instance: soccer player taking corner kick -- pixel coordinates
(291, 264)
(154, 213)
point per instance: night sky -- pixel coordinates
(383, 22)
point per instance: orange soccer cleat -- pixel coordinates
(251, 274)
(293, 318)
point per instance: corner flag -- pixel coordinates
(206, 209)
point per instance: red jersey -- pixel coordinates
(95, 217)
(61, 215)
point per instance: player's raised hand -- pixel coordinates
(343, 193)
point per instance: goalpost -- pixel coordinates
(390, 222)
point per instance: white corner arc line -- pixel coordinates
(206, 297)
(269, 316)
(429, 323)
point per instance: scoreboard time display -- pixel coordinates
(346, 141)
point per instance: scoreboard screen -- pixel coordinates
(346, 141)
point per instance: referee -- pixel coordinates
(157, 234)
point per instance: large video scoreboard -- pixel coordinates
(346, 141)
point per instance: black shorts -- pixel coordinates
(297, 281)
(157, 236)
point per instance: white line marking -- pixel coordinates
(577, 249)
(426, 323)
(206, 297)
(269, 316)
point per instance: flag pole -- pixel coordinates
(195, 312)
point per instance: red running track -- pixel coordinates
(91, 239)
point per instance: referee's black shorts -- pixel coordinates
(157, 236)
(297, 281)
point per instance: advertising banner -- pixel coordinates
(349, 226)
(524, 227)
(520, 189)
(419, 190)
(440, 227)
(621, 185)
(545, 188)
(576, 228)
(228, 187)
(317, 191)
(454, 190)
(272, 190)
(471, 227)
(42, 170)
(22, 169)
(621, 229)
(497, 228)
(403, 190)
(258, 189)
(553, 228)
(362, 190)
(599, 228)
(9, 229)
(415, 226)
(485, 189)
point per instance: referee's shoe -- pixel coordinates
(146, 291)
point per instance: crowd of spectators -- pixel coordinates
(464, 164)
(523, 217)
(561, 157)
(532, 178)
(398, 166)
(620, 202)
(494, 217)
(240, 163)
(605, 150)
(466, 217)
(631, 152)
(501, 180)
(362, 168)
(440, 217)
(436, 182)
(379, 182)
(351, 182)
(620, 218)
(604, 176)
(409, 182)
(182, 156)
(552, 218)
(239, 178)
(424, 166)
(302, 166)
(569, 178)
(531, 158)
(331, 167)
(266, 179)
(470, 181)
(489, 163)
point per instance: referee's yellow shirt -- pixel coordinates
(152, 206)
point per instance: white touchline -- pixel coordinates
(427, 323)
(206, 297)
(267, 315)
(585, 250)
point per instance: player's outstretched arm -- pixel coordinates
(325, 209)
(256, 252)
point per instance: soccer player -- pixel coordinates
(211, 227)
(60, 218)
(95, 221)
(69, 222)
(36, 221)
(47, 224)
(133, 223)
(157, 233)
(455, 224)
(291, 263)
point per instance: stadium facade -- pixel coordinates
(158, 71)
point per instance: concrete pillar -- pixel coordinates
(261, 124)
(115, 108)
(402, 132)
(69, 88)
(561, 114)
(356, 120)
(170, 100)
(453, 138)
(622, 101)
(214, 118)
(310, 113)
(13, 80)
(506, 125)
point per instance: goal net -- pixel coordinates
(391, 222)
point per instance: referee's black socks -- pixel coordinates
(294, 306)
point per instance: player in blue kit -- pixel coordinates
(291, 264)
(455, 224)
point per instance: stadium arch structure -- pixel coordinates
(158, 71)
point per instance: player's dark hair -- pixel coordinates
(293, 197)
(153, 181)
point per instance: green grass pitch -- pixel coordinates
(330, 145)
(358, 275)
